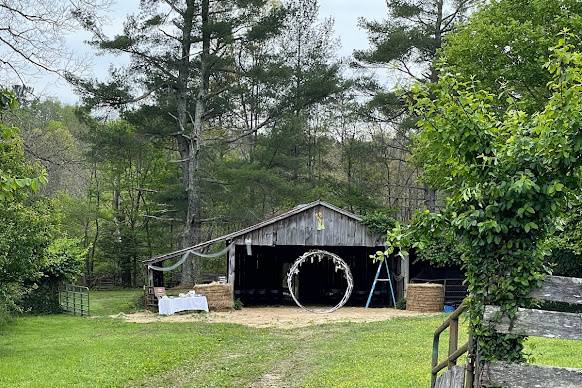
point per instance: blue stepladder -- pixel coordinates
(378, 279)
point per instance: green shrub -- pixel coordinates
(379, 221)
(62, 262)
(565, 244)
(507, 174)
(24, 236)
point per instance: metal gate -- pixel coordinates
(74, 299)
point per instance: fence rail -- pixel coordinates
(537, 323)
(452, 323)
(74, 299)
(527, 322)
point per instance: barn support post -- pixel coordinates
(149, 276)
(148, 287)
(231, 263)
(405, 271)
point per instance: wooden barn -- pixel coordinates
(260, 277)
(261, 255)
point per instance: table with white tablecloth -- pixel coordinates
(171, 305)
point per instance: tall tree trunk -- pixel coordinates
(91, 256)
(183, 139)
(191, 144)
(438, 39)
(429, 194)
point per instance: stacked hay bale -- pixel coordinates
(425, 297)
(219, 295)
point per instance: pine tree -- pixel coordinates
(182, 62)
(216, 76)
(406, 45)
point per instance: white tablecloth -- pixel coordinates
(171, 305)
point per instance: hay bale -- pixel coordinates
(219, 296)
(425, 297)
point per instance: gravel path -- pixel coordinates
(279, 317)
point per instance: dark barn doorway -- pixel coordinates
(318, 283)
(261, 277)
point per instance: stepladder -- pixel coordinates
(387, 279)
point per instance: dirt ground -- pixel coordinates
(279, 317)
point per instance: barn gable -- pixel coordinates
(314, 224)
(298, 226)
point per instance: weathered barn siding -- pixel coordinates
(340, 229)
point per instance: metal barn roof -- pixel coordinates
(314, 224)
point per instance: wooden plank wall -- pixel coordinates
(503, 374)
(538, 323)
(453, 378)
(531, 322)
(560, 289)
(301, 229)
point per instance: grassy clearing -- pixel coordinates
(394, 353)
(555, 352)
(65, 351)
(103, 303)
(73, 351)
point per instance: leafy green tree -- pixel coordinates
(53, 136)
(16, 177)
(407, 42)
(24, 235)
(410, 38)
(506, 44)
(379, 221)
(32, 250)
(507, 173)
(16, 222)
(61, 262)
(130, 170)
(183, 57)
(565, 243)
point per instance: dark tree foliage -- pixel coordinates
(183, 59)
(505, 46)
(408, 42)
(224, 84)
(33, 251)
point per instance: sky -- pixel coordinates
(345, 13)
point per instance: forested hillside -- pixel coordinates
(226, 114)
(229, 112)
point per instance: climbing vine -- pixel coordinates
(506, 174)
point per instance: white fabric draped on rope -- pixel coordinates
(185, 257)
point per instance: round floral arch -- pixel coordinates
(320, 255)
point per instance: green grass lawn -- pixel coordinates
(114, 302)
(72, 351)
